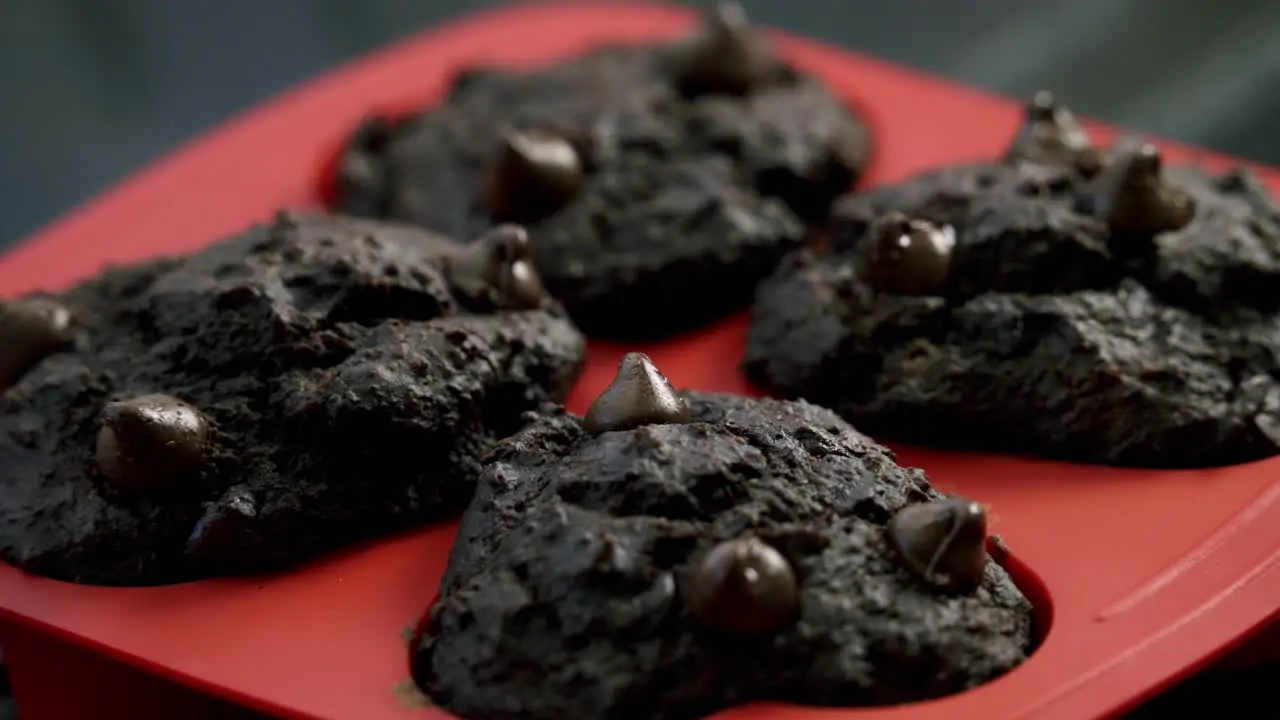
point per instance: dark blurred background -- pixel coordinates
(92, 89)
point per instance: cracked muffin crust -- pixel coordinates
(309, 383)
(1065, 302)
(675, 554)
(660, 184)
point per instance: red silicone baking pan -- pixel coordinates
(1139, 576)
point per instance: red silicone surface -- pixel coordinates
(1149, 574)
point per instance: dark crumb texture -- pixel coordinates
(567, 593)
(342, 387)
(681, 198)
(1054, 333)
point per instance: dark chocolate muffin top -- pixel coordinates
(1084, 305)
(309, 383)
(659, 183)
(726, 550)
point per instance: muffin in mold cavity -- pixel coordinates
(309, 383)
(1066, 301)
(674, 554)
(660, 183)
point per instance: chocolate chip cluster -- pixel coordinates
(536, 172)
(744, 586)
(1125, 188)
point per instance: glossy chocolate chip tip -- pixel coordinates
(943, 542)
(639, 395)
(31, 329)
(1050, 133)
(534, 175)
(726, 55)
(1133, 196)
(908, 256)
(150, 442)
(497, 268)
(743, 587)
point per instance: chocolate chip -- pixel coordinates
(223, 531)
(1089, 162)
(30, 330)
(944, 542)
(743, 586)
(591, 146)
(726, 56)
(1246, 184)
(150, 442)
(534, 175)
(1030, 187)
(1050, 133)
(908, 256)
(469, 77)
(497, 269)
(639, 395)
(286, 221)
(1239, 180)
(362, 167)
(1133, 197)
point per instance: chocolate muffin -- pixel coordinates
(309, 383)
(1064, 301)
(673, 554)
(660, 184)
